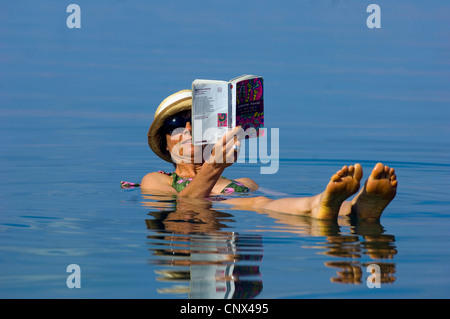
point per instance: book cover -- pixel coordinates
(250, 105)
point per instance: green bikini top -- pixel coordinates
(179, 183)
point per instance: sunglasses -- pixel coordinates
(176, 121)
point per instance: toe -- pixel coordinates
(358, 174)
(377, 171)
(343, 171)
(386, 171)
(351, 170)
(392, 172)
(393, 180)
(336, 177)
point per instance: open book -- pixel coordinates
(218, 106)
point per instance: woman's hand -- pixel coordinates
(223, 154)
(226, 151)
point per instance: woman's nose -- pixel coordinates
(187, 128)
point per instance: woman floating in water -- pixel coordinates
(200, 180)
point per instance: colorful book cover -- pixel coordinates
(250, 104)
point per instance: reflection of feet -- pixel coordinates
(342, 185)
(379, 189)
(380, 247)
(352, 272)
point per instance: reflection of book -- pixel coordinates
(220, 105)
(214, 272)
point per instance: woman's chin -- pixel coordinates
(189, 153)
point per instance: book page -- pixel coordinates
(210, 104)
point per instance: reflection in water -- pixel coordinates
(365, 239)
(376, 246)
(200, 256)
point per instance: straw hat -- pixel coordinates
(173, 104)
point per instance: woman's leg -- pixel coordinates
(378, 191)
(326, 205)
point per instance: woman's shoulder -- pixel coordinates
(156, 179)
(248, 182)
(165, 173)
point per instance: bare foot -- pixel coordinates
(342, 185)
(378, 191)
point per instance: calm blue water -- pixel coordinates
(76, 104)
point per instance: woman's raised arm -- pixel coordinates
(224, 154)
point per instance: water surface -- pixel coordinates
(75, 107)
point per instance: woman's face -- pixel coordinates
(179, 138)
